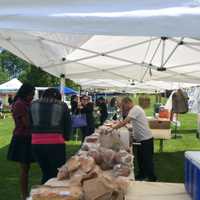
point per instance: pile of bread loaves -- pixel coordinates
(101, 170)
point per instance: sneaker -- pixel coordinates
(152, 179)
(139, 178)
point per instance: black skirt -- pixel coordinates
(20, 149)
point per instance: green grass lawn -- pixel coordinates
(169, 165)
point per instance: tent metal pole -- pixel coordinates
(149, 65)
(155, 51)
(80, 88)
(62, 86)
(147, 51)
(163, 53)
(96, 54)
(99, 70)
(184, 65)
(170, 55)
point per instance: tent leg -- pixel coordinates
(62, 86)
(161, 146)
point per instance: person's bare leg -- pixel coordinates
(24, 180)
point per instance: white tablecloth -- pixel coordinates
(156, 191)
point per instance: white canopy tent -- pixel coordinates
(131, 87)
(104, 84)
(94, 40)
(161, 86)
(10, 86)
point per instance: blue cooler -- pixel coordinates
(192, 174)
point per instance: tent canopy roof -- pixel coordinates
(119, 58)
(119, 40)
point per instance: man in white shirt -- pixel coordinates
(143, 135)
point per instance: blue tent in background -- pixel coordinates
(68, 90)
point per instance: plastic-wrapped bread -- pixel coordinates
(95, 154)
(108, 158)
(102, 161)
(121, 170)
(77, 177)
(88, 146)
(92, 139)
(123, 157)
(54, 182)
(70, 166)
(104, 189)
(86, 163)
(122, 183)
(82, 153)
(57, 193)
(73, 163)
(63, 173)
(102, 130)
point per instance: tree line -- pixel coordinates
(12, 66)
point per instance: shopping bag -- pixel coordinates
(79, 121)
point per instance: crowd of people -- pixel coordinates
(42, 127)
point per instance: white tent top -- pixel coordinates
(10, 86)
(108, 57)
(118, 40)
(103, 84)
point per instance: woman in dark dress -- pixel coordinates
(103, 110)
(74, 104)
(20, 146)
(86, 107)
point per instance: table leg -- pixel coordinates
(198, 134)
(161, 145)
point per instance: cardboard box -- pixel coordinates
(159, 124)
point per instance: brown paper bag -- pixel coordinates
(101, 189)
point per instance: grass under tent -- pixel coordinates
(169, 165)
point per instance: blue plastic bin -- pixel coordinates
(192, 174)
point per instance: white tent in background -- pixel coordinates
(130, 40)
(104, 84)
(131, 87)
(10, 86)
(161, 86)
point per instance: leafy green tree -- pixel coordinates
(12, 64)
(37, 77)
(3, 76)
(15, 67)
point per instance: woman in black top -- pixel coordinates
(74, 104)
(103, 109)
(86, 107)
(50, 128)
